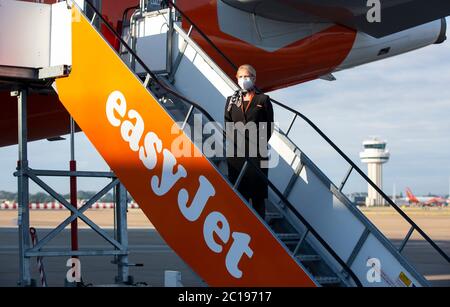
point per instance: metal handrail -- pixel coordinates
(325, 137)
(210, 118)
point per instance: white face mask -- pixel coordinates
(246, 83)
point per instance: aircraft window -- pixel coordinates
(375, 146)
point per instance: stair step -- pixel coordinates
(309, 258)
(273, 216)
(328, 280)
(288, 236)
(170, 106)
(218, 159)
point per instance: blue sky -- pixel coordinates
(405, 100)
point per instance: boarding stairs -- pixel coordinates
(298, 179)
(313, 235)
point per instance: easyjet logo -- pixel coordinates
(152, 153)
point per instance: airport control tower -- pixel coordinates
(374, 154)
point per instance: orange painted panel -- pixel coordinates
(191, 205)
(301, 61)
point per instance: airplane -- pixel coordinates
(303, 40)
(427, 201)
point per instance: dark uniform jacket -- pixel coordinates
(260, 112)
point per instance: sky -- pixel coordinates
(404, 100)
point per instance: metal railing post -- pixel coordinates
(189, 113)
(73, 187)
(344, 181)
(292, 123)
(406, 239)
(23, 219)
(169, 51)
(241, 175)
(121, 203)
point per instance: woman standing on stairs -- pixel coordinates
(249, 123)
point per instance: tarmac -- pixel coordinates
(148, 248)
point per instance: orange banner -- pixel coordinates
(191, 205)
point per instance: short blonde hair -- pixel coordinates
(248, 68)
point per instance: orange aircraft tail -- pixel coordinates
(411, 196)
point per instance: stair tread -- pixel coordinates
(274, 215)
(309, 257)
(170, 106)
(215, 158)
(271, 217)
(327, 280)
(288, 236)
